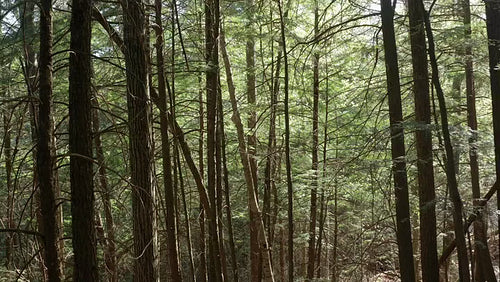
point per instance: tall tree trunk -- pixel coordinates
(202, 267)
(173, 260)
(46, 148)
(110, 242)
(232, 247)
(482, 257)
(287, 149)
(427, 195)
(80, 144)
(398, 152)
(311, 256)
(252, 197)
(450, 159)
(139, 139)
(212, 84)
(493, 30)
(255, 252)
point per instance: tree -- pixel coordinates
(430, 270)
(398, 152)
(80, 141)
(139, 139)
(45, 149)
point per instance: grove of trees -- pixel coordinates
(249, 140)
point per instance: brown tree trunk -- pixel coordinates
(287, 149)
(252, 197)
(398, 152)
(311, 256)
(427, 196)
(483, 264)
(450, 159)
(110, 241)
(80, 144)
(212, 60)
(493, 30)
(173, 260)
(140, 139)
(46, 148)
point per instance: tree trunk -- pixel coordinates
(493, 30)
(110, 242)
(212, 60)
(311, 256)
(252, 197)
(80, 144)
(173, 260)
(398, 152)
(482, 257)
(450, 160)
(46, 148)
(140, 139)
(430, 270)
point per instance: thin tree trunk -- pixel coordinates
(110, 242)
(232, 247)
(252, 197)
(311, 256)
(450, 160)
(482, 257)
(172, 251)
(212, 84)
(403, 226)
(140, 140)
(430, 270)
(80, 144)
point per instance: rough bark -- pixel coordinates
(139, 139)
(46, 148)
(430, 271)
(80, 144)
(398, 152)
(493, 30)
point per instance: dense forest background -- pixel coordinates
(249, 140)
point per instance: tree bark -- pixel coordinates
(46, 148)
(173, 260)
(493, 30)
(212, 84)
(139, 139)
(427, 196)
(80, 144)
(450, 160)
(398, 152)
